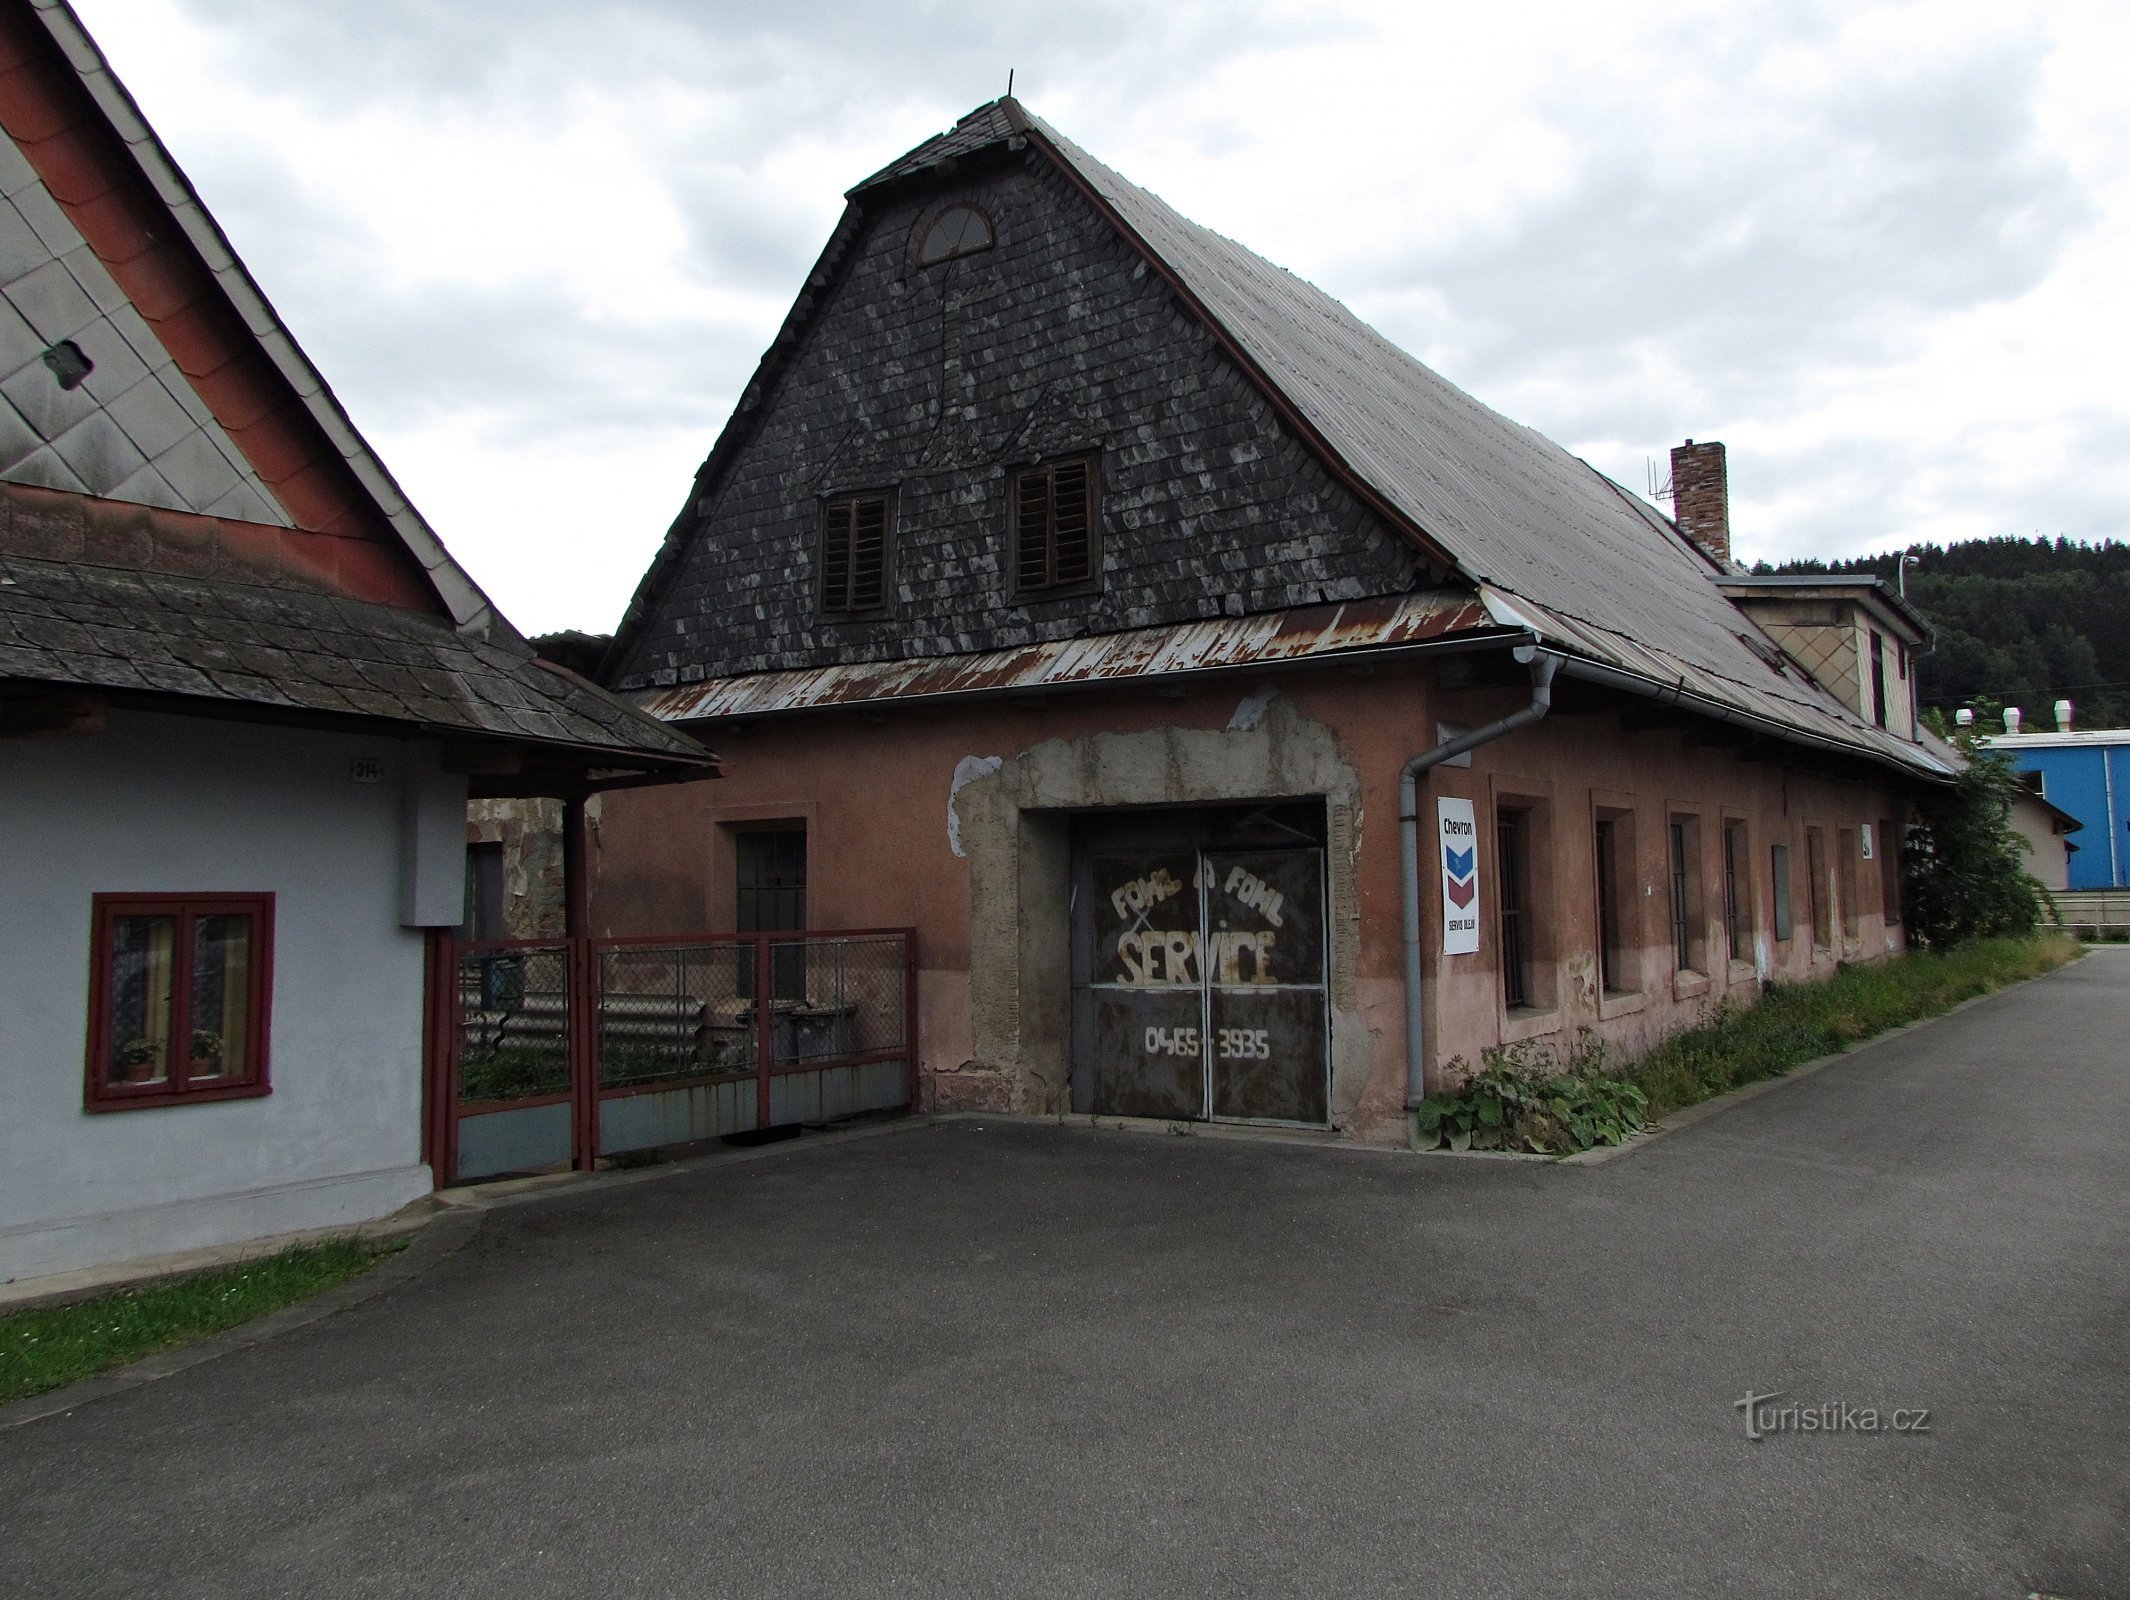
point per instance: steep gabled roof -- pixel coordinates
(986, 126)
(188, 519)
(133, 264)
(1556, 546)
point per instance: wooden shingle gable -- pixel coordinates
(961, 384)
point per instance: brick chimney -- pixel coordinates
(1701, 496)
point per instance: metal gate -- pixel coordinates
(559, 1053)
(1199, 966)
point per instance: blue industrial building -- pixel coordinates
(2088, 775)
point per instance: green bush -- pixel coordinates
(1519, 1102)
(1552, 1103)
(1793, 1023)
(1963, 870)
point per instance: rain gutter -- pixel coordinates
(1677, 694)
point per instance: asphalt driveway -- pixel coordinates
(993, 1358)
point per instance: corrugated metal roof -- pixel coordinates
(1354, 629)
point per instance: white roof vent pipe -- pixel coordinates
(2011, 719)
(1964, 717)
(2063, 716)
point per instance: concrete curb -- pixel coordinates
(61, 1288)
(439, 1235)
(554, 1186)
(1680, 1120)
(1327, 1141)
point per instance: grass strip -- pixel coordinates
(1794, 1023)
(48, 1346)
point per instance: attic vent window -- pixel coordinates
(1054, 530)
(69, 365)
(956, 231)
(854, 554)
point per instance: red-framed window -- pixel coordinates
(180, 987)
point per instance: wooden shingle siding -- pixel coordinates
(1054, 345)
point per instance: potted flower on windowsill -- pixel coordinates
(206, 1053)
(135, 1061)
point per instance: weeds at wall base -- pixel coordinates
(1558, 1102)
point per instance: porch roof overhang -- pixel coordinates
(1348, 633)
(76, 639)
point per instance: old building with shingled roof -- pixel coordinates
(1253, 724)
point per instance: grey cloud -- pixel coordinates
(797, 65)
(1669, 292)
(1891, 203)
(1878, 491)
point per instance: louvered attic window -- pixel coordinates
(854, 553)
(1055, 543)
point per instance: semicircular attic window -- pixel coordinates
(957, 231)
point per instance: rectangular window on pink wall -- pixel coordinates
(180, 996)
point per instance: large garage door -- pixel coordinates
(1198, 967)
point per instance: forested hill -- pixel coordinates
(2024, 622)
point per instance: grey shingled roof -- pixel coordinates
(209, 640)
(1605, 573)
(979, 130)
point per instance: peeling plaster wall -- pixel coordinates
(1011, 826)
(955, 820)
(530, 832)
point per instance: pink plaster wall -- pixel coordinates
(874, 792)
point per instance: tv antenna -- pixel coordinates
(1659, 485)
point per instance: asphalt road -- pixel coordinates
(998, 1358)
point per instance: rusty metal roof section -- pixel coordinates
(1357, 630)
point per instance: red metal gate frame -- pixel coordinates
(443, 1032)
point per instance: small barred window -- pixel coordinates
(854, 553)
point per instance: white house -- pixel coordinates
(245, 695)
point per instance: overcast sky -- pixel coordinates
(537, 247)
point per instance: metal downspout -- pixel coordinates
(2115, 818)
(1543, 665)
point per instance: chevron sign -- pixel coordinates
(1460, 876)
